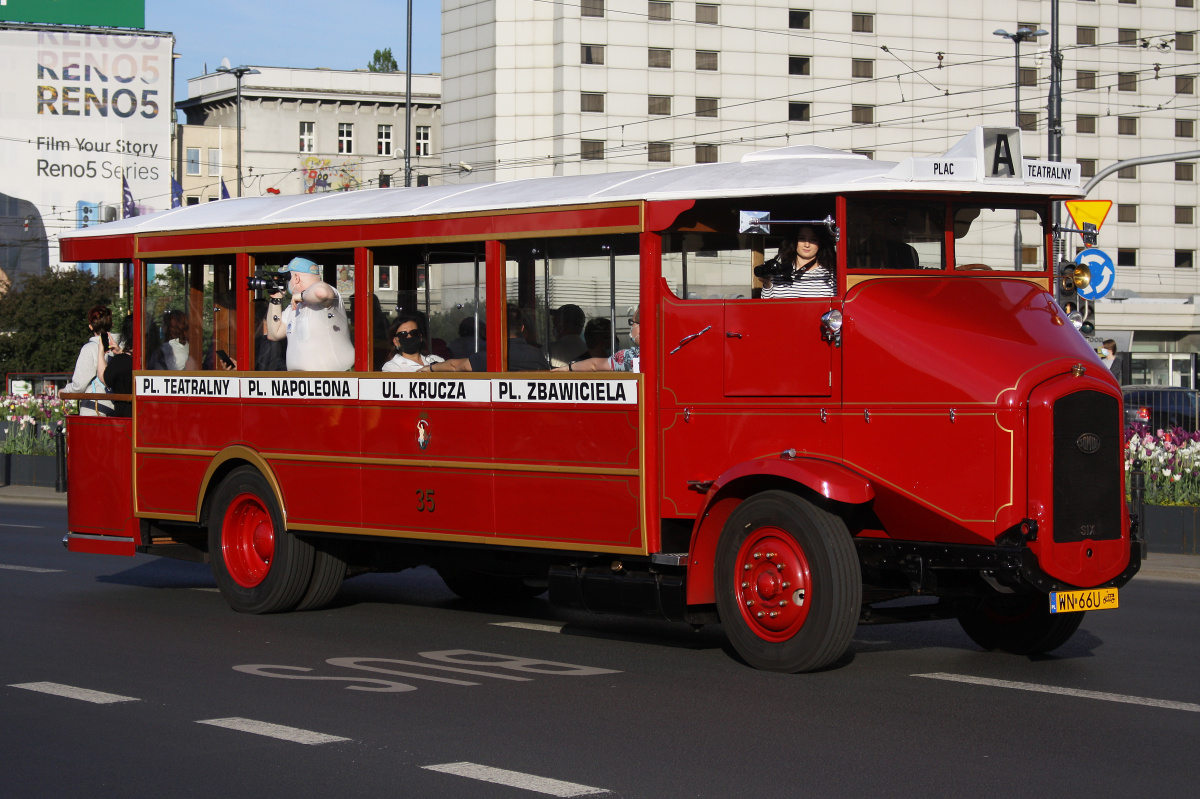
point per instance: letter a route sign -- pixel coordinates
(1104, 275)
(1088, 212)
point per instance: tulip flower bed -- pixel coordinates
(1171, 461)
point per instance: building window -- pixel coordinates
(1085, 79)
(214, 161)
(1028, 76)
(1126, 212)
(1127, 81)
(193, 161)
(591, 54)
(862, 114)
(706, 153)
(706, 14)
(1028, 120)
(1185, 41)
(706, 60)
(658, 105)
(1185, 214)
(384, 140)
(799, 112)
(1029, 255)
(706, 106)
(1085, 123)
(1127, 37)
(1082, 35)
(1127, 126)
(862, 23)
(1185, 128)
(660, 152)
(192, 201)
(799, 20)
(799, 65)
(591, 150)
(591, 8)
(862, 68)
(1185, 84)
(1127, 173)
(1184, 259)
(421, 142)
(1184, 4)
(1185, 170)
(865, 153)
(1087, 167)
(660, 11)
(659, 58)
(1127, 257)
(591, 102)
(308, 137)
(345, 138)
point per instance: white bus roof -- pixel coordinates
(798, 170)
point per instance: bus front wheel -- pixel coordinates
(1021, 625)
(788, 583)
(259, 566)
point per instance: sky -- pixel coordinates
(297, 33)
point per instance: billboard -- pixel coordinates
(110, 13)
(84, 113)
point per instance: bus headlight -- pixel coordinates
(831, 326)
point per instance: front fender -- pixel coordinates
(830, 480)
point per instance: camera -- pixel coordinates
(270, 282)
(777, 271)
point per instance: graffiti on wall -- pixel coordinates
(321, 174)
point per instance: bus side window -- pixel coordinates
(997, 237)
(190, 316)
(895, 234)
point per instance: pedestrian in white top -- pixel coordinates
(812, 266)
(409, 342)
(314, 323)
(84, 379)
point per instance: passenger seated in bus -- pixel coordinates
(896, 252)
(269, 356)
(522, 356)
(175, 352)
(411, 353)
(807, 262)
(314, 323)
(598, 338)
(568, 335)
(627, 360)
(464, 345)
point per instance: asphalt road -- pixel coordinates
(132, 678)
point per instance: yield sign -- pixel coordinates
(1086, 212)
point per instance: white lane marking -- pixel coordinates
(71, 692)
(218, 590)
(24, 526)
(515, 779)
(1053, 689)
(525, 625)
(294, 734)
(33, 569)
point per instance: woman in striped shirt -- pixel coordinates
(812, 268)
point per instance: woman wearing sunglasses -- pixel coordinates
(409, 342)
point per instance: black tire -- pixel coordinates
(477, 586)
(780, 554)
(329, 571)
(259, 566)
(1022, 625)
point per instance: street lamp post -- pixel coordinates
(239, 73)
(1022, 34)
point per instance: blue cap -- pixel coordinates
(302, 265)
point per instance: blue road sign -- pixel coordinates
(1104, 274)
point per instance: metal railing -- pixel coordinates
(1163, 408)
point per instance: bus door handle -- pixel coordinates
(731, 334)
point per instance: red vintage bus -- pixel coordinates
(788, 467)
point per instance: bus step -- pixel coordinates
(625, 592)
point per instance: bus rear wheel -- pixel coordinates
(259, 566)
(1021, 625)
(788, 583)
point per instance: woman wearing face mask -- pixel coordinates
(1115, 364)
(410, 345)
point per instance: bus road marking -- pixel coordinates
(525, 625)
(33, 569)
(1076, 692)
(24, 526)
(293, 734)
(71, 692)
(516, 779)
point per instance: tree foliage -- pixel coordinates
(383, 61)
(43, 323)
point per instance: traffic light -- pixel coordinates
(422, 180)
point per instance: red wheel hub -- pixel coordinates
(773, 584)
(247, 540)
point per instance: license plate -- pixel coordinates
(1079, 601)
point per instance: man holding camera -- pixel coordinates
(314, 322)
